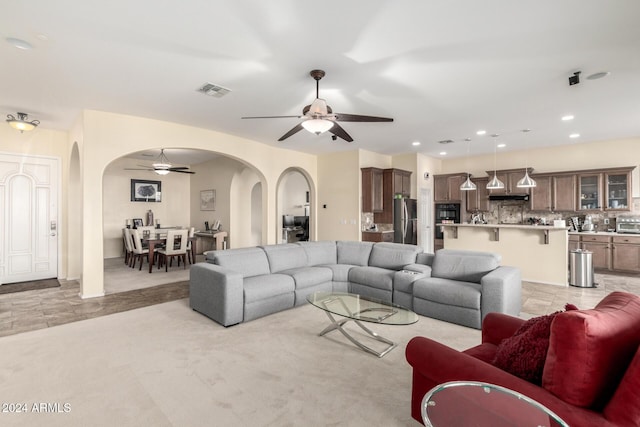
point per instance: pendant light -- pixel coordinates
(526, 181)
(495, 183)
(468, 185)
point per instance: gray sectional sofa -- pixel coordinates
(238, 285)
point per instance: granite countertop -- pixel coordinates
(378, 231)
(600, 233)
(519, 226)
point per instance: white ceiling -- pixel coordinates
(442, 69)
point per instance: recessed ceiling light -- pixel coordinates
(415, 143)
(467, 139)
(443, 153)
(567, 118)
(19, 44)
(596, 76)
(481, 132)
(501, 145)
(574, 135)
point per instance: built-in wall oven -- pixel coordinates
(446, 213)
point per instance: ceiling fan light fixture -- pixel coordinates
(22, 122)
(162, 171)
(317, 126)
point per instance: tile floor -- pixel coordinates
(31, 310)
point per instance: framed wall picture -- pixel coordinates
(146, 191)
(137, 222)
(208, 200)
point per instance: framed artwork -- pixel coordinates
(137, 222)
(146, 191)
(208, 200)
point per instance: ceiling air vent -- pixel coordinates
(446, 141)
(213, 90)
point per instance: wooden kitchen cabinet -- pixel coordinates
(564, 193)
(625, 253)
(601, 247)
(574, 242)
(377, 236)
(540, 199)
(590, 191)
(394, 181)
(372, 190)
(617, 190)
(478, 200)
(447, 187)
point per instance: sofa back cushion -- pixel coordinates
(320, 253)
(285, 257)
(466, 266)
(589, 350)
(354, 253)
(246, 261)
(393, 256)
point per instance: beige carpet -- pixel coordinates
(166, 365)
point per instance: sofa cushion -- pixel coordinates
(449, 292)
(323, 252)
(524, 353)
(247, 261)
(285, 257)
(354, 253)
(393, 256)
(374, 277)
(258, 288)
(590, 349)
(305, 277)
(340, 271)
(467, 266)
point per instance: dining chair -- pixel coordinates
(190, 255)
(128, 245)
(146, 231)
(138, 251)
(176, 246)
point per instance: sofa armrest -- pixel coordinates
(217, 293)
(498, 326)
(501, 291)
(419, 268)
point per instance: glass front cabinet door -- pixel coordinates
(617, 191)
(590, 192)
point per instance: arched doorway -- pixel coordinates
(294, 206)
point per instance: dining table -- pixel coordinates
(154, 239)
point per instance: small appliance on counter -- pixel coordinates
(587, 225)
(628, 224)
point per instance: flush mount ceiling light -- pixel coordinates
(567, 118)
(22, 122)
(495, 183)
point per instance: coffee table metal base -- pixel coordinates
(337, 324)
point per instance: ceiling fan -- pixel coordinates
(318, 117)
(162, 166)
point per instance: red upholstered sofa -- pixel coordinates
(591, 374)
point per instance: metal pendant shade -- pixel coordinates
(495, 183)
(468, 185)
(526, 181)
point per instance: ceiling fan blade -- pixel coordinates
(182, 171)
(175, 168)
(337, 130)
(138, 169)
(271, 117)
(297, 128)
(341, 117)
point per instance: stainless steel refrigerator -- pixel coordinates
(405, 217)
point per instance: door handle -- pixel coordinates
(52, 234)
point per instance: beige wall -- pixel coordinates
(108, 136)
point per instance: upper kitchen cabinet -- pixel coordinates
(589, 190)
(401, 181)
(478, 199)
(510, 178)
(394, 181)
(372, 189)
(447, 187)
(555, 193)
(617, 190)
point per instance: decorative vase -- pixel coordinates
(149, 217)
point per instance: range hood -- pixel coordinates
(521, 197)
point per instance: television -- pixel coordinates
(288, 221)
(300, 221)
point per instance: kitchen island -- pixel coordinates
(539, 251)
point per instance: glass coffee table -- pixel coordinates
(361, 309)
(466, 403)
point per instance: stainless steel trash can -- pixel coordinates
(581, 268)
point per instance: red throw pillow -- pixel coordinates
(524, 353)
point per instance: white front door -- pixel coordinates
(28, 218)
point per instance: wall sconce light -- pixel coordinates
(22, 122)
